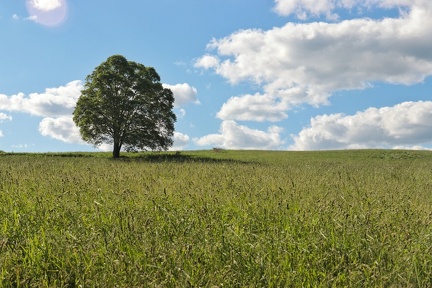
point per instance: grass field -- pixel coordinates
(217, 219)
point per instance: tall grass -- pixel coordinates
(225, 219)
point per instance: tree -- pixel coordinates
(123, 103)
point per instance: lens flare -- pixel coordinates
(47, 12)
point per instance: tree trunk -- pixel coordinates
(116, 150)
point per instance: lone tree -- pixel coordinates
(123, 103)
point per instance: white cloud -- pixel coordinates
(105, 147)
(183, 93)
(304, 9)
(4, 116)
(403, 125)
(16, 17)
(32, 18)
(55, 105)
(180, 141)
(179, 63)
(253, 108)
(415, 147)
(181, 113)
(306, 63)
(45, 5)
(54, 102)
(61, 101)
(207, 62)
(22, 146)
(62, 128)
(235, 136)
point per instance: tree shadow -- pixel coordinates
(149, 157)
(175, 158)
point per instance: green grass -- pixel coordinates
(216, 219)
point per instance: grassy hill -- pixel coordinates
(217, 219)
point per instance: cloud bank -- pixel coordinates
(54, 102)
(305, 9)
(306, 63)
(56, 106)
(235, 136)
(403, 125)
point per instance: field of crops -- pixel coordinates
(217, 219)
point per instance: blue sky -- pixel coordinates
(261, 74)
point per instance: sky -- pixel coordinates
(246, 74)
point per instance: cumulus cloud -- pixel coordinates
(415, 147)
(207, 62)
(2, 118)
(56, 106)
(403, 125)
(180, 141)
(183, 93)
(180, 113)
(54, 102)
(62, 128)
(253, 108)
(304, 9)
(235, 136)
(306, 63)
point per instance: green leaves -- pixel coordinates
(124, 103)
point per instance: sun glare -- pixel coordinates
(47, 12)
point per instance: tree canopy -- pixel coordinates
(123, 103)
